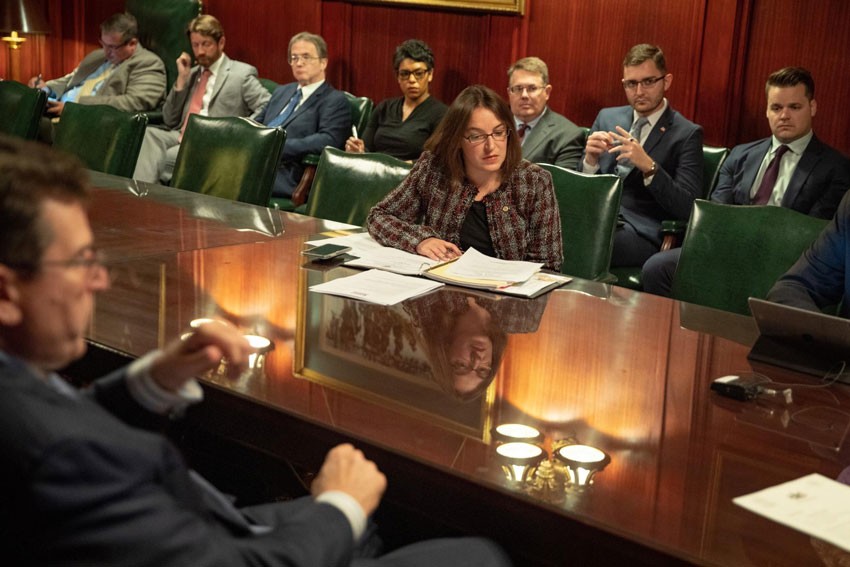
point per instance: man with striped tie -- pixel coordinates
(216, 86)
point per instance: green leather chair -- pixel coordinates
(162, 29)
(588, 205)
(233, 158)
(347, 186)
(21, 109)
(732, 252)
(673, 230)
(269, 84)
(361, 110)
(104, 138)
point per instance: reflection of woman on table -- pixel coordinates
(400, 126)
(465, 335)
(471, 187)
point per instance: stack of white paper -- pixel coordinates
(377, 286)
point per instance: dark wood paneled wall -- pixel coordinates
(719, 51)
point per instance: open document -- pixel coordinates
(473, 269)
(377, 286)
(815, 505)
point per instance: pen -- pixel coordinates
(354, 131)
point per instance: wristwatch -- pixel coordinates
(652, 170)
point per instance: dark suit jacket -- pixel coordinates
(821, 178)
(237, 92)
(821, 277)
(136, 85)
(322, 120)
(82, 487)
(675, 144)
(554, 140)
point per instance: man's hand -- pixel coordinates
(36, 82)
(629, 148)
(347, 470)
(597, 144)
(203, 350)
(437, 249)
(55, 107)
(184, 65)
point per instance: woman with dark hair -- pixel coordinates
(471, 188)
(400, 126)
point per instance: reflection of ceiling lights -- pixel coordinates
(526, 464)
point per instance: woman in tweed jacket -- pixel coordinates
(471, 188)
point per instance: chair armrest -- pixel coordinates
(672, 232)
(302, 190)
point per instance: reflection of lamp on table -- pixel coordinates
(20, 16)
(526, 464)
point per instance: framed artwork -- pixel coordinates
(508, 6)
(379, 353)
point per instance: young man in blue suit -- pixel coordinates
(86, 480)
(811, 179)
(216, 86)
(656, 151)
(313, 113)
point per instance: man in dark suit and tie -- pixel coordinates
(546, 136)
(86, 480)
(807, 175)
(216, 86)
(313, 113)
(656, 151)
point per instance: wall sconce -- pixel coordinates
(570, 469)
(21, 16)
(260, 345)
(519, 460)
(582, 463)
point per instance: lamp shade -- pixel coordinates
(23, 16)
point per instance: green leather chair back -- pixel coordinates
(588, 205)
(104, 138)
(269, 84)
(361, 110)
(712, 160)
(732, 252)
(233, 158)
(162, 29)
(21, 109)
(347, 186)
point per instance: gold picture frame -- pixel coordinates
(392, 370)
(503, 6)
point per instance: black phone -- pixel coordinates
(326, 251)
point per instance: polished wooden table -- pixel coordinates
(623, 371)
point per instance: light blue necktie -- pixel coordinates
(287, 110)
(624, 167)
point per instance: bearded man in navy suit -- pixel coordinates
(87, 480)
(654, 149)
(313, 113)
(812, 176)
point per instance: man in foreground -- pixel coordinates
(85, 482)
